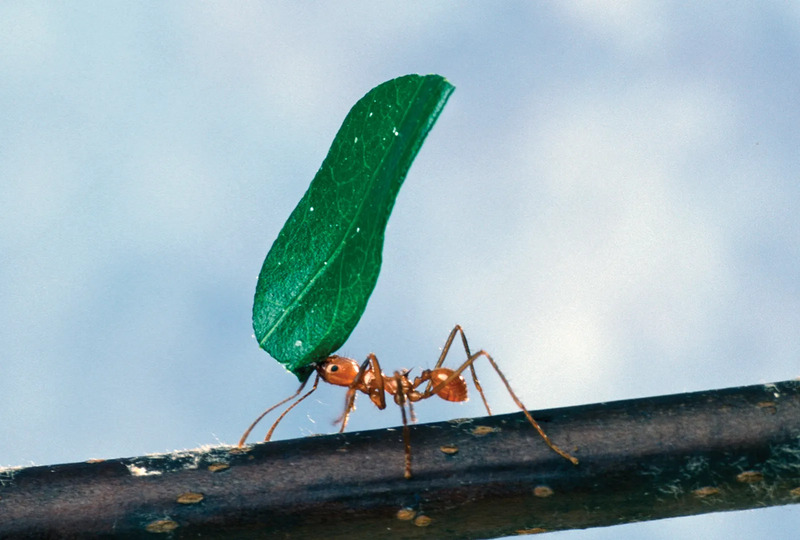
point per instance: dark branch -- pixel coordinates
(485, 477)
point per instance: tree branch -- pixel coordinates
(640, 459)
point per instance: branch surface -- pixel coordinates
(640, 460)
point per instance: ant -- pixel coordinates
(368, 378)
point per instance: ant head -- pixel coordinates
(338, 370)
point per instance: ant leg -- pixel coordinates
(431, 389)
(478, 387)
(295, 404)
(349, 406)
(265, 413)
(400, 397)
(371, 365)
(533, 422)
(376, 393)
(472, 371)
(447, 345)
(445, 350)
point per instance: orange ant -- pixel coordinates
(368, 378)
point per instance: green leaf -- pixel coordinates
(322, 268)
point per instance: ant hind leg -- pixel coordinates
(522, 407)
(432, 389)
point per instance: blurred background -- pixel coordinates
(608, 204)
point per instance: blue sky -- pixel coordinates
(608, 204)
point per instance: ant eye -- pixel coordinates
(333, 368)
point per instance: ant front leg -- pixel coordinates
(257, 420)
(368, 380)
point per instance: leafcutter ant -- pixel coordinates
(368, 378)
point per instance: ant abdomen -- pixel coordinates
(455, 390)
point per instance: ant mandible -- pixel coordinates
(368, 378)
